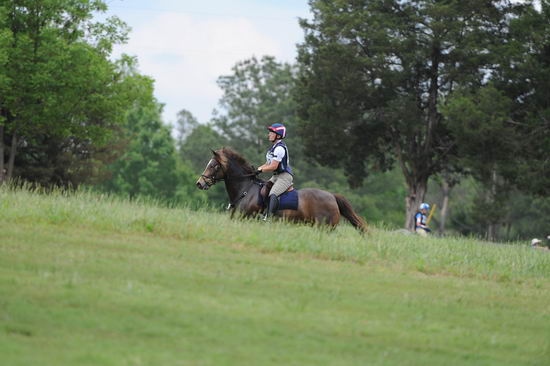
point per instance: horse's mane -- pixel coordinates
(228, 156)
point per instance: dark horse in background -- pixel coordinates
(243, 188)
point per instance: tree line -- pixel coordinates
(391, 103)
(438, 88)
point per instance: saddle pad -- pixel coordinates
(288, 200)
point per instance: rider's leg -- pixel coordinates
(281, 183)
(272, 205)
(421, 232)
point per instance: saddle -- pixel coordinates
(266, 188)
(287, 201)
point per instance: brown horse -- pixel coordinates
(243, 187)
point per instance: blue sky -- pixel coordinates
(186, 45)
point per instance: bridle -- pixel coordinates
(210, 180)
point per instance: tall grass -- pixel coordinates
(432, 256)
(91, 279)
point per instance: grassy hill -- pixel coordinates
(92, 280)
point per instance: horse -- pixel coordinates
(315, 206)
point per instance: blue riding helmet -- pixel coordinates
(425, 206)
(279, 129)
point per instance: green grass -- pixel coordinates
(87, 279)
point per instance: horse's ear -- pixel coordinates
(214, 152)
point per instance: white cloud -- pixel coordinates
(185, 55)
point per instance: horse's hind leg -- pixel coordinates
(333, 220)
(322, 215)
(335, 217)
(329, 216)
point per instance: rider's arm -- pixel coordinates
(269, 167)
(278, 155)
(419, 222)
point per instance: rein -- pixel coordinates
(211, 180)
(241, 196)
(214, 180)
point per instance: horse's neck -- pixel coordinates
(235, 185)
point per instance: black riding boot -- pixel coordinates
(271, 206)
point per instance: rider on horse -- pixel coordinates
(421, 220)
(277, 161)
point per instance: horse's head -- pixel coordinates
(212, 174)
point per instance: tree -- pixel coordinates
(255, 95)
(486, 146)
(57, 79)
(185, 124)
(197, 147)
(502, 129)
(148, 165)
(373, 74)
(195, 152)
(446, 182)
(524, 78)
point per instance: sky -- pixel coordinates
(185, 45)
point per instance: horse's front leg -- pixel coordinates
(252, 213)
(246, 211)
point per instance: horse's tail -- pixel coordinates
(347, 211)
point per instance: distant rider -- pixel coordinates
(277, 161)
(420, 220)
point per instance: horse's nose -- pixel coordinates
(201, 184)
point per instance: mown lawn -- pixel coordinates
(89, 280)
